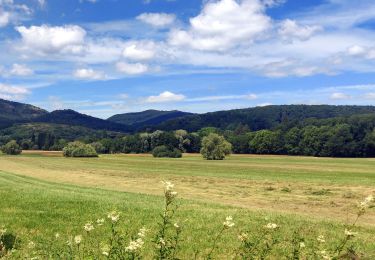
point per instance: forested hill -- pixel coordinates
(147, 118)
(11, 112)
(71, 117)
(262, 117)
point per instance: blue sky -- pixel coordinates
(103, 57)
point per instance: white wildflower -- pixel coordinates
(105, 250)
(324, 255)
(321, 239)
(142, 232)
(168, 185)
(350, 233)
(3, 230)
(31, 245)
(302, 245)
(114, 216)
(100, 221)
(228, 223)
(176, 225)
(78, 239)
(57, 235)
(89, 227)
(243, 237)
(271, 226)
(161, 241)
(134, 245)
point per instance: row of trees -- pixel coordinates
(337, 137)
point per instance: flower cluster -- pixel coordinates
(134, 245)
(114, 216)
(228, 223)
(100, 221)
(89, 227)
(271, 226)
(365, 204)
(170, 194)
(78, 239)
(321, 239)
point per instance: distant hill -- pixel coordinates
(13, 112)
(258, 118)
(62, 131)
(73, 118)
(147, 118)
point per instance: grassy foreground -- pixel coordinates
(42, 195)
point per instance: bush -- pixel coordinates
(78, 149)
(11, 148)
(164, 151)
(215, 147)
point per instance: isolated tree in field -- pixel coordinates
(78, 149)
(11, 148)
(215, 147)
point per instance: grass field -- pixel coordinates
(46, 193)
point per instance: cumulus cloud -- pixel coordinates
(139, 51)
(361, 52)
(21, 70)
(339, 96)
(166, 96)
(4, 18)
(157, 19)
(289, 30)
(46, 40)
(223, 25)
(89, 74)
(131, 68)
(13, 92)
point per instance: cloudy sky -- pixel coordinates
(103, 57)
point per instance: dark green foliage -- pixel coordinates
(259, 118)
(14, 112)
(78, 149)
(11, 148)
(267, 142)
(99, 147)
(146, 118)
(166, 152)
(72, 117)
(215, 147)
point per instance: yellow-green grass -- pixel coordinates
(316, 187)
(43, 194)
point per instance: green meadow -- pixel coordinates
(44, 193)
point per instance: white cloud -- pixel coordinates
(157, 19)
(339, 96)
(139, 51)
(13, 92)
(356, 50)
(219, 98)
(289, 30)
(89, 74)
(46, 40)
(21, 70)
(166, 96)
(131, 68)
(223, 25)
(4, 18)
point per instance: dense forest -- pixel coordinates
(337, 131)
(352, 136)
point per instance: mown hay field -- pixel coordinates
(45, 193)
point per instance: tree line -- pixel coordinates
(352, 136)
